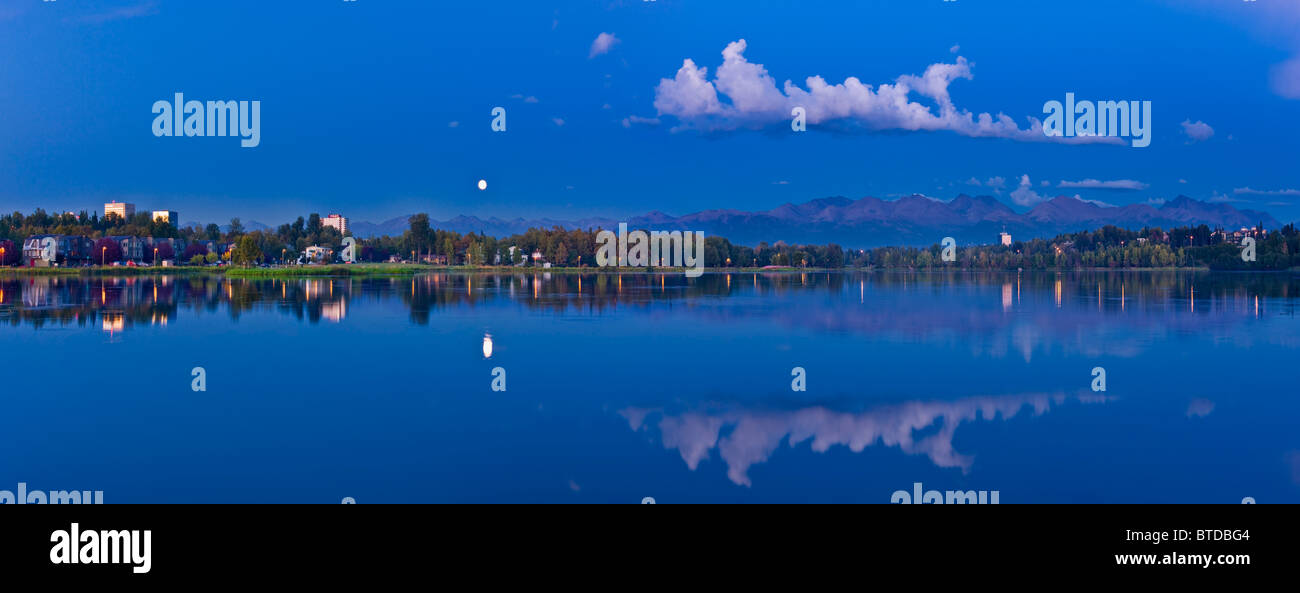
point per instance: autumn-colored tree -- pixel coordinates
(194, 249)
(106, 251)
(9, 254)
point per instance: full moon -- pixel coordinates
(482, 184)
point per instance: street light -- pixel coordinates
(103, 256)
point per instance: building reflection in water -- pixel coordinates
(114, 322)
(915, 304)
(334, 311)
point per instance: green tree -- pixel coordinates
(421, 234)
(247, 252)
(449, 250)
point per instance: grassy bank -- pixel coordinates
(107, 271)
(385, 269)
(329, 270)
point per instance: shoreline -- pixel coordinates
(364, 270)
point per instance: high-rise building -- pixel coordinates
(169, 216)
(1006, 239)
(337, 221)
(122, 209)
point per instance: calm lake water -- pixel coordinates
(625, 387)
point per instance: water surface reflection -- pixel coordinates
(379, 387)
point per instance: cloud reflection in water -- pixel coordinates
(755, 434)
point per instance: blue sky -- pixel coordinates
(359, 99)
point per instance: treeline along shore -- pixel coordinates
(87, 244)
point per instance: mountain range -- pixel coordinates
(872, 222)
(249, 226)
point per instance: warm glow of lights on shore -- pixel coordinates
(114, 322)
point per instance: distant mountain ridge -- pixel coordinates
(873, 222)
(251, 225)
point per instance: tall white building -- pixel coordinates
(168, 216)
(122, 209)
(1006, 239)
(337, 221)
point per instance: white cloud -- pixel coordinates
(1285, 78)
(1182, 181)
(954, 49)
(453, 124)
(1263, 192)
(630, 120)
(530, 99)
(603, 43)
(996, 183)
(558, 122)
(755, 101)
(1197, 130)
(1116, 185)
(118, 14)
(1275, 22)
(1218, 198)
(1199, 408)
(1025, 195)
